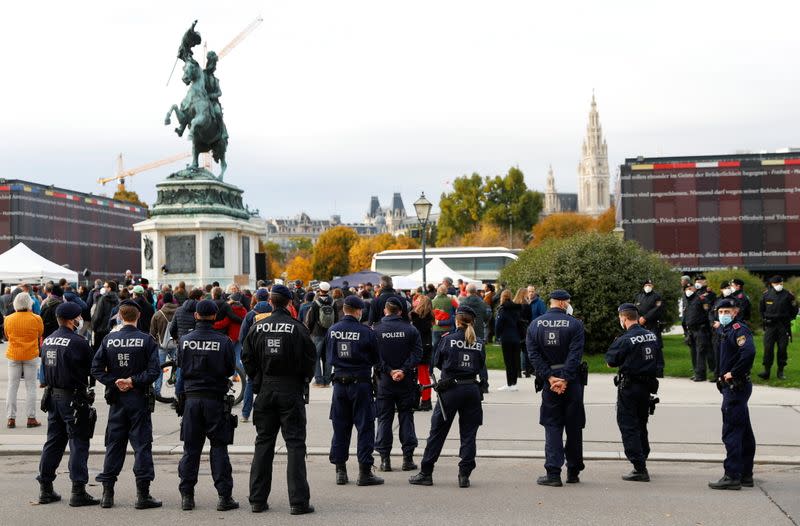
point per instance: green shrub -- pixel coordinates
(600, 271)
(753, 287)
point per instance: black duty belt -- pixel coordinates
(282, 379)
(205, 395)
(636, 378)
(64, 393)
(347, 380)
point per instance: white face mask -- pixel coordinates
(698, 285)
(569, 309)
(622, 323)
(727, 292)
(778, 288)
(648, 289)
(689, 293)
(80, 324)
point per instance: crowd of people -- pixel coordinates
(378, 349)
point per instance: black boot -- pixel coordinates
(386, 463)
(46, 493)
(550, 480)
(764, 375)
(187, 501)
(341, 474)
(79, 496)
(226, 503)
(145, 501)
(408, 463)
(747, 481)
(726, 482)
(463, 480)
(573, 476)
(366, 477)
(780, 374)
(421, 479)
(107, 500)
(637, 475)
(301, 509)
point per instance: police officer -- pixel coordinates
(742, 299)
(206, 361)
(127, 364)
(279, 356)
(650, 305)
(400, 351)
(737, 352)
(66, 360)
(555, 347)
(778, 308)
(699, 301)
(352, 351)
(713, 317)
(639, 356)
(460, 355)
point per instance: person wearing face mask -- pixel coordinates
(555, 347)
(741, 298)
(639, 357)
(66, 363)
(696, 316)
(651, 308)
(737, 352)
(713, 317)
(778, 308)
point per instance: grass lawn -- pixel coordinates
(677, 362)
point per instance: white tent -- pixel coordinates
(20, 263)
(435, 271)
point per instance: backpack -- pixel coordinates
(327, 314)
(167, 343)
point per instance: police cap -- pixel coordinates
(737, 281)
(206, 308)
(130, 303)
(727, 304)
(394, 300)
(464, 309)
(68, 311)
(700, 277)
(648, 281)
(281, 290)
(776, 279)
(354, 302)
(560, 295)
(627, 306)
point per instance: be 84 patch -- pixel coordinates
(274, 346)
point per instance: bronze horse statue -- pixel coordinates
(198, 111)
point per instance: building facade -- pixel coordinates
(74, 229)
(284, 230)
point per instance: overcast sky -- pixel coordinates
(329, 102)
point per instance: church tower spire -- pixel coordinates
(593, 175)
(550, 197)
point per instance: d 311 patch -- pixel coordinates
(551, 338)
(343, 350)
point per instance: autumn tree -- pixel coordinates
(503, 201)
(489, 235)
(129, 196)
(300, 268)
(606, 222)
(275, 257)
(568, 224)
(332, 252)
(362, 250)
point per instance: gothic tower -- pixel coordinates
(550, 197)
(593, 176)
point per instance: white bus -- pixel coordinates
(483, 263)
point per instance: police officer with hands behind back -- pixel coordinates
(279, 356)
(400, 351)
(352, 351)
(127, 364)
(67, 359)
(460, 355)
(206, 361)
(555, 347)
(736, 354)
(778, 309)
(638, 355)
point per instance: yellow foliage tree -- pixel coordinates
(299, 268)
(332, 252)
(606, 222)
(362, 251)
(567, 224)
(491, 235)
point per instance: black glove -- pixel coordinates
(180, 404)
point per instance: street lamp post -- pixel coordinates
(423, 209)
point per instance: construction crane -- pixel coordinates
(122, 173)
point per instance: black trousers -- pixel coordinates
(702, 350)
(776, 333)
(465, 401)
(633, 404)
(279, 408)
(511, 359)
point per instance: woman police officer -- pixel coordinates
(460, 355)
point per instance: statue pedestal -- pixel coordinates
(199, 232)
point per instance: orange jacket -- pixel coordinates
(24, 331)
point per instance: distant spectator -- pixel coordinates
(24, 331)
(507, 330)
